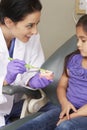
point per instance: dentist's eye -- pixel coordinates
(30, 25)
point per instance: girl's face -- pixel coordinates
(82, 41)
(24, 29)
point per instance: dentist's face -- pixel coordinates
(24, 29)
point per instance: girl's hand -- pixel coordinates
(80, 112)
(66, 110)
(61, 120)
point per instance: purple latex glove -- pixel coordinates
(39, 82)
(14, 68)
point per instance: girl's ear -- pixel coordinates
(8, 22)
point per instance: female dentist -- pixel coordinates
(20, 40)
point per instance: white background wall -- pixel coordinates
(57, 24)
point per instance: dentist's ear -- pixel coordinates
(8, 22)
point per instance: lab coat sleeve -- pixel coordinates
(3, 64)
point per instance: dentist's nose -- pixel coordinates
(34, 30)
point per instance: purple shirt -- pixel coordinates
(77, 85)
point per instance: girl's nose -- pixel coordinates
(79, 43)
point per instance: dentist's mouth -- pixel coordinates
(28, 36)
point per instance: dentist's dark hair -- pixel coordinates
(16, 10)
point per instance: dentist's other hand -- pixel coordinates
(14, 68)
(41, 80)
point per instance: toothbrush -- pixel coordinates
(28, 66)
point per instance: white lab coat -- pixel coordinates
(32, 53)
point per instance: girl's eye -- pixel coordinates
(83, 41)
(77, 39)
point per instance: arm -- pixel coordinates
(33, 56)
(61, 89)
(80, 112)
(61, 93)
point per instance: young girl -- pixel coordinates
(72, 88)
(71, 91)
(20, 40)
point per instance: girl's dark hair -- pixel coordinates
(67, 58)
(82, 22)
(16, 10)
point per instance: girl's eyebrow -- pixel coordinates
(82, 37)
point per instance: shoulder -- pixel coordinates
(74, 60)
(75, 57)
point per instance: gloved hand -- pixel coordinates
(39, 81)
(14, 68)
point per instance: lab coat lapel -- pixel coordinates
(19, 51)
(3, 46)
